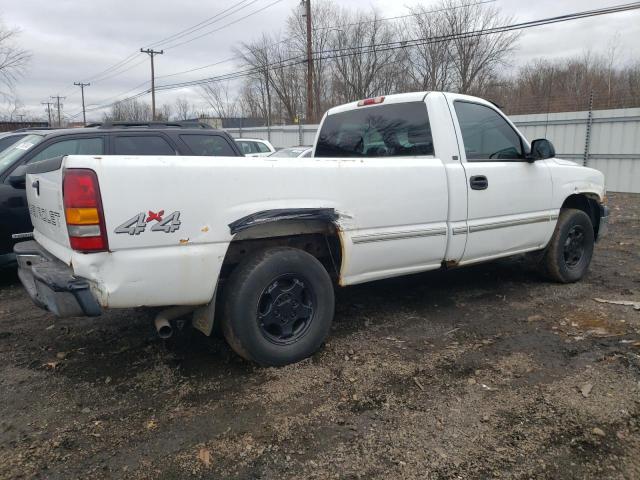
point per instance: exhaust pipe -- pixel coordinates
(163, 319)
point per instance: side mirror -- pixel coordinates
(18, 178)
(541, 149)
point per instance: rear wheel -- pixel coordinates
(569, 252)
(278, 306)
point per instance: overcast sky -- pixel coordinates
(73, 40)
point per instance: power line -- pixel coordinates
(199, 68)
(106, 74)
(115, 66)
(131, 57)
(494, 30)
(385, 46)
(205, 23)
(119, 72)
(224, 26)
(347, 51)
(119, 65)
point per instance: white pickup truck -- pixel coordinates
(397, 185)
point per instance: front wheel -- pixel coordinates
(569, 252)
(278, 306)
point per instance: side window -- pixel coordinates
(399, 129)
(208, 145)
(247, 147)
(262, 148)
(75, 146)
(142, 145)
(486, 134)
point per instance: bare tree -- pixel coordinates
(276, 66)
(13, 59)
(184, 110)
(477, 58)
(430, 66)
(130, 111)
(221, 98)
(164, 112)
(449, 46)
(362, 67)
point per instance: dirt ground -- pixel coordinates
(485, 372)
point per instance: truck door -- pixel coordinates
(509, 198)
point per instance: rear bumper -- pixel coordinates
(603, 228)
(51, 283)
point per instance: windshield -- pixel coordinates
(12, 154)
(8, 140)
(289, 152)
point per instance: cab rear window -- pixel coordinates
(400, 129)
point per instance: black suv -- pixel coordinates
(117, 138)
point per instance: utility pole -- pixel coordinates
(84, 113)
(21, 117)
(58, 98)
(152, 53)
(48, 104)
(307, 4)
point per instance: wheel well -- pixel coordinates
(320, 239)
(588, 204)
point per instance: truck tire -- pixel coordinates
(569, 252)
(278, 306)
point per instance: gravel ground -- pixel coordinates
(484, 372)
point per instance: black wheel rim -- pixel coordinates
(286, 309)
(574, 246)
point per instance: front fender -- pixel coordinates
(576, 180)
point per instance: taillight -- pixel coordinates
(83, 211)
(370, 101)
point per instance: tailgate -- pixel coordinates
(44, 194)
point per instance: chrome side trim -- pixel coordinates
(382, 237)
(20, 236)
(459, 230)
(509, 223)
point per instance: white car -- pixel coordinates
(255, 147)
(397, 185)
(294, 152)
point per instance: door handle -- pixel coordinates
(478, 182)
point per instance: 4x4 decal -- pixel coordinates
(138, 223)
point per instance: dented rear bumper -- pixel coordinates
(51, 284)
